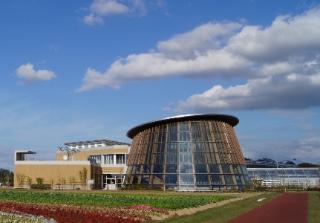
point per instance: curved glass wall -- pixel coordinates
(187, 155)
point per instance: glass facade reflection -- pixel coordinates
(187, 154)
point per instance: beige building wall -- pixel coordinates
(64, 172)
(58, 174)
(84, 154)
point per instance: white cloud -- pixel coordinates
(108, 7)
(157, 65)
(100, 9)
(92, 19)
(139, 6)
(279, 63)
(291, 91)
(287, 36)
(171, 59)
(303, 150)
(28, 73)
(200, 39)
(234, 45)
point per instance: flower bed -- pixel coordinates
(158, 200)
(10, 217)
(74, 214)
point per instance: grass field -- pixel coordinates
(159, 200)
(314, 207)
(230, 211)
(226, 212)
(168, 200)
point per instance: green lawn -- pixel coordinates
(314, 207)
(226, 212)
(159, 200)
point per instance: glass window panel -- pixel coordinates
(199, 157)
(214, 168)
(202, 179)
(186, 168)
(185, 157)
(108, 159)
(146, 169)
(183, 126)
(158, 158)
(173, 134)
(171, 158)
(95, 159)
(135, 179)
(244, 169)
(236, 169)
(201, 168)
(120, 159)
(157, 168)
(136, 169)
(186, 179)
(171, 179)
(228, 179)
(184, 136)
(172, 147)
(171, 168)
(185, 147)
(216, 179)
(226, 168)
(199, 147)
(145, 179)
(160, 147)
(238, 179)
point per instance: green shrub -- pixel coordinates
(40, 186)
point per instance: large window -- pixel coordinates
(108, 159)
(121, 158)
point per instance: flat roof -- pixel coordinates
(97, 141)
(25, 152)
(232, 120)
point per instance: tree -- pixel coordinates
(20, 179)
(72, 181)
(6, 177)
(83, 176)
(39, 181)
(29, 181)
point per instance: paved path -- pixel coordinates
(289, 207)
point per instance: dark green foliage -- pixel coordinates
(6, 177)
(40, 186)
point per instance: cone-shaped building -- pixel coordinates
(189, 152)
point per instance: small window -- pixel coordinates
(95, 159)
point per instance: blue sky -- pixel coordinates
(91, 69)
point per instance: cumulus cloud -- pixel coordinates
(302, 149)
(199, 40)
(28, 73)
(279, 64)
(287, 36)
(183, 54)
(290, 91)
(100, 9)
